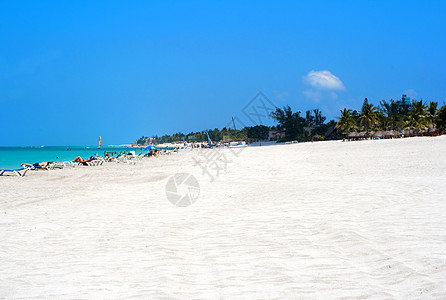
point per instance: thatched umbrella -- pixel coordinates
(378, 134)
(388, 134)
(352, 135)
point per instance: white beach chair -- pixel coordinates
(19, 172)
(126, 159)
(69, 163)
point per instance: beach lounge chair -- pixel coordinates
(17, 172)
(48, 167)
(68, 164)
(51, 166)
(126, 159)
(33, 167)
(64, 164)
(111, 159)
(95, 162)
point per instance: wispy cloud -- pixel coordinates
(323, 85)
(411, 93)
(324, 80)
(280, 95)
(313, 95)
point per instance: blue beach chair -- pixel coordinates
(17, 172)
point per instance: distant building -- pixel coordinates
(406, 100)
(275, 134)
(309, 129)
(404, 104)
(148, 141)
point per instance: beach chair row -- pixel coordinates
(130, 159)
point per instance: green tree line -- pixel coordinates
(393, 115)
(387, 115)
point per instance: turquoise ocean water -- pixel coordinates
(13, 157)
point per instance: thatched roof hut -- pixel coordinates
(378, 134)
(352, 135)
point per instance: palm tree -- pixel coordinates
(431, 112)
(389, 117)
(293, 123)
(346, 121)
(418, 116)
(368, 116)
(384, 121)
(440, 119)
(318, 118)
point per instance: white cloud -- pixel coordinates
(324, 80)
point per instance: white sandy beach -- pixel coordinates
(302, 221)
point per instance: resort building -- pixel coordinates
(309, 129)
(404, 104)
(275, 134)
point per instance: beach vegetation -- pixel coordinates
(440, 119)
(369, 116)
(257, 133)
(418, 116)
(346, 121)
(431, 112)
(390, 118)
(293, 123)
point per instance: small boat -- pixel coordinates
(238, 145)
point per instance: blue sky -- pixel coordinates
(71, 71)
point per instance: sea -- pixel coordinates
(13, 157)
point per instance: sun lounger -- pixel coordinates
(64, 164)
(95, 162)
(17, 172)
(68, 163)
(48, 167)
(33, 167)
(51, 166)
(126, 159)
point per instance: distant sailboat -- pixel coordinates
(100, 142)
(210, 144)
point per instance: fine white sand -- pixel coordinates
(314, 221)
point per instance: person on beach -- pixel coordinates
(41, 165)
(84, 161)
(121, 154)
(150, 153)
(108, 154)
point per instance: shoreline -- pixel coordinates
(312, 220)
(80, 150)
